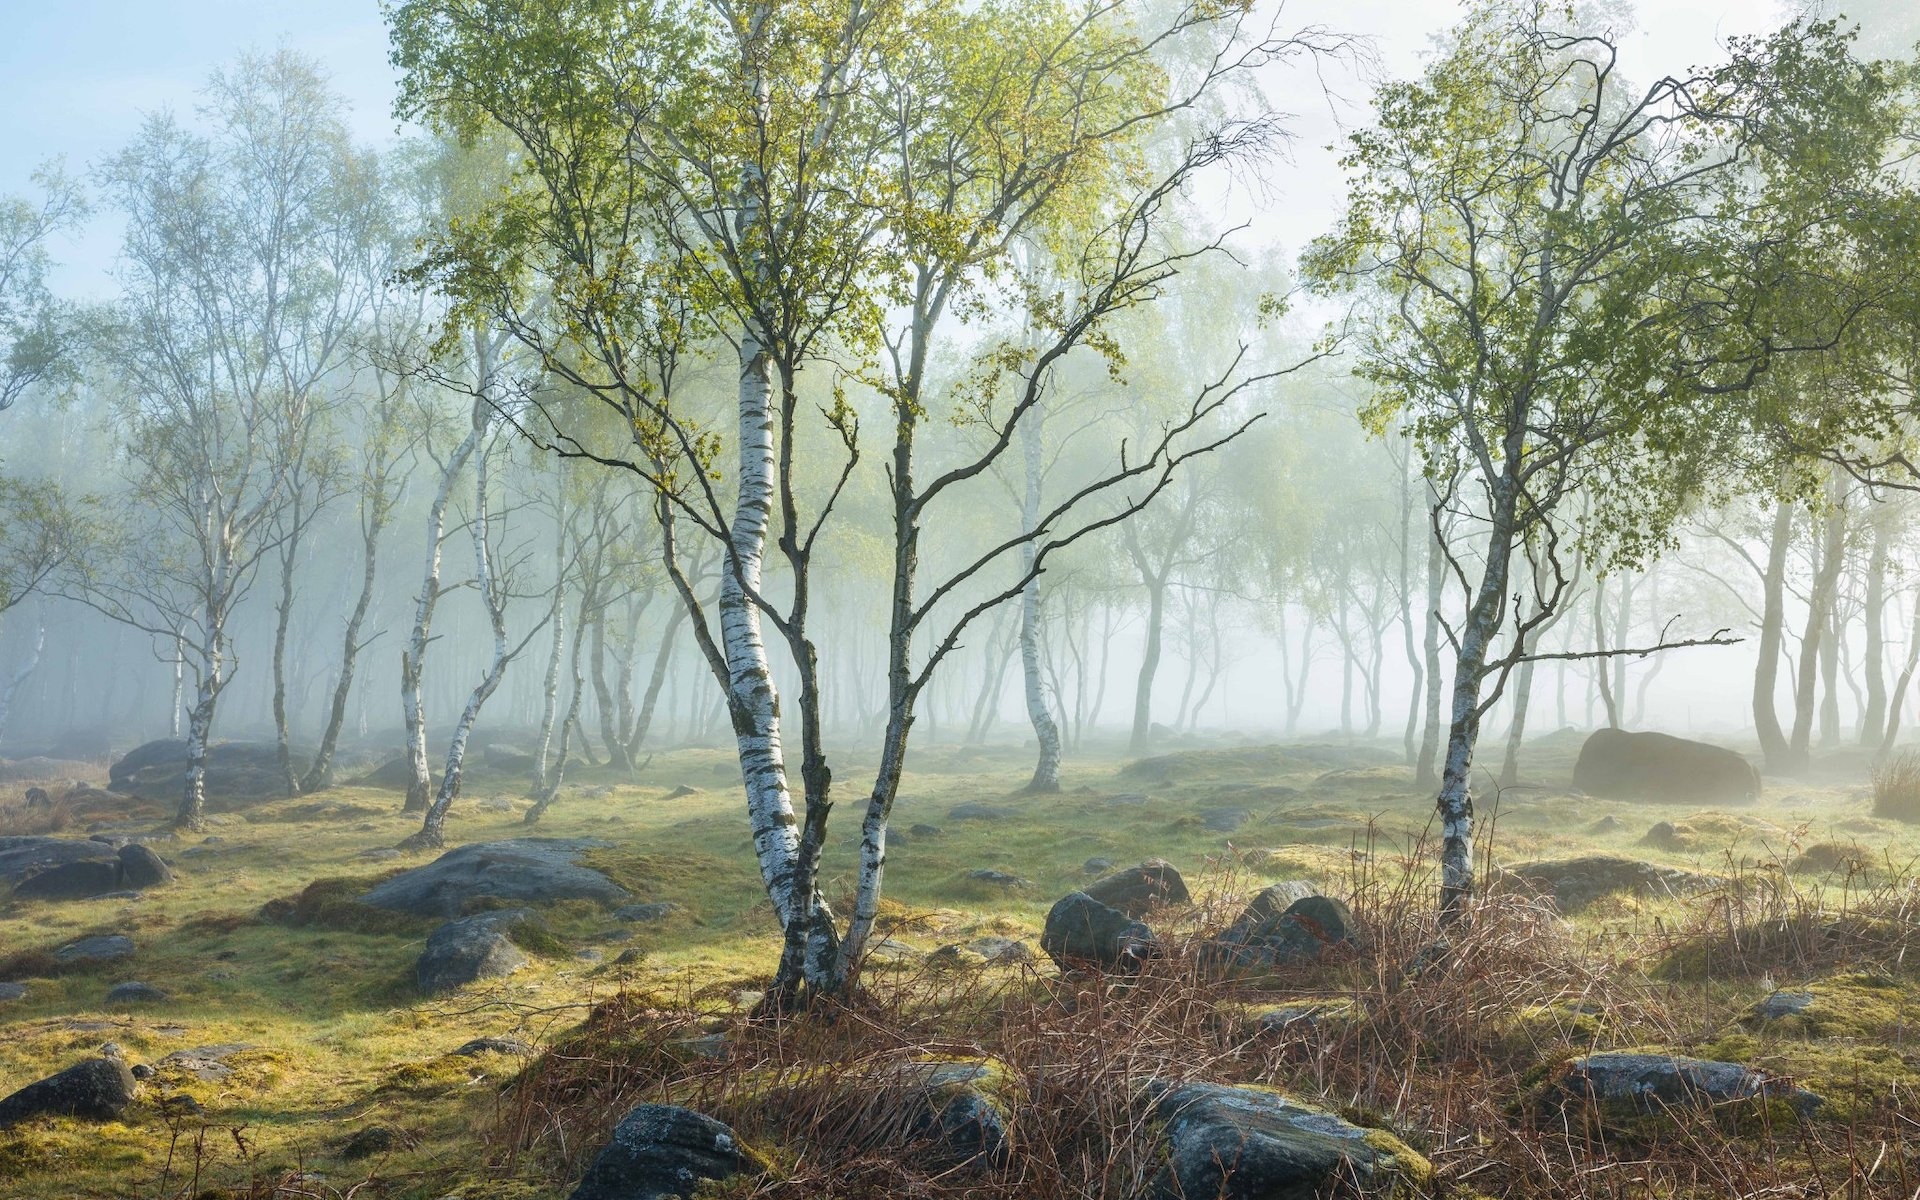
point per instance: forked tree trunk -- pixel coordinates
(432, 833)
(413, 655)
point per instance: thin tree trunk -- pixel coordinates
(1873, 716)
(1046, 733)
(413, 655)
(10, 686)
(320, 771)
(1774, 748)
(283, 617)
(1427, 773)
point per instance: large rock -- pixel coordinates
(21, 857)
(395, 774)
(140, 867)
(956, 1116)
(660, 1151)
(1136, 891)
(1241, 1143)
(470, 949)
(237, 772)
(1576, 883)
(71, 869)
(1276, 930)
(96, 1089)
(1660, 767)
(1082, 932)
(99, 948)
(522, 870)
(1643, 1084)
(72, 881)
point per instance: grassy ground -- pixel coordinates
(340, 1040)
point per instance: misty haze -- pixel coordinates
(1111, 599)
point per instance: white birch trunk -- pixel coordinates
(433, 829)
(413, 655)
(751, 699)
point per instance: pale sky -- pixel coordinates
(79, 75)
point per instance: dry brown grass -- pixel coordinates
(1443, 1049)
(1896, 788)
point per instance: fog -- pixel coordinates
(1276, 585)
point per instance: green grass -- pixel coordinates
(260, 939)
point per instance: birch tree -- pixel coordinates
(1580, 279)
(232, 320)
(778, 178)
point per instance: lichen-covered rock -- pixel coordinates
(1576, 883)
(1082, 932)
(956, 1112)
(96, 1089)
(523, 870)
(470, 949)
(662, 1150)
(1646, 1084)
(101, 947)
(1244, 1143)
(1137, 891)
(1273, 932)
(134, 992)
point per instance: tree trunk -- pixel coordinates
(320, 771)
(283, 618)
(1517, 728)
(1766, 675)
(413, 655)
(1046, 733)
(1826, 583)
(1427, 773)
(1455, 802)
(1873, 717)
(179, 684)
(1899, 701)
(1143, 685)
(10, 686)
(432, 833)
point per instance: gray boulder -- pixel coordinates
(237, 772)
(1643, 1084)
(140, 867)
(23, 857)
(1239, 1143)
(96, 1089)
(101, 947)
(660, 1151)
(1577, 883)
(1136, 891)
(522, 870)
(13, 991)
(470, 949)
(71, 881)
(1082, 932)
(134, 992)
(1274, 931)
(1627, 765)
